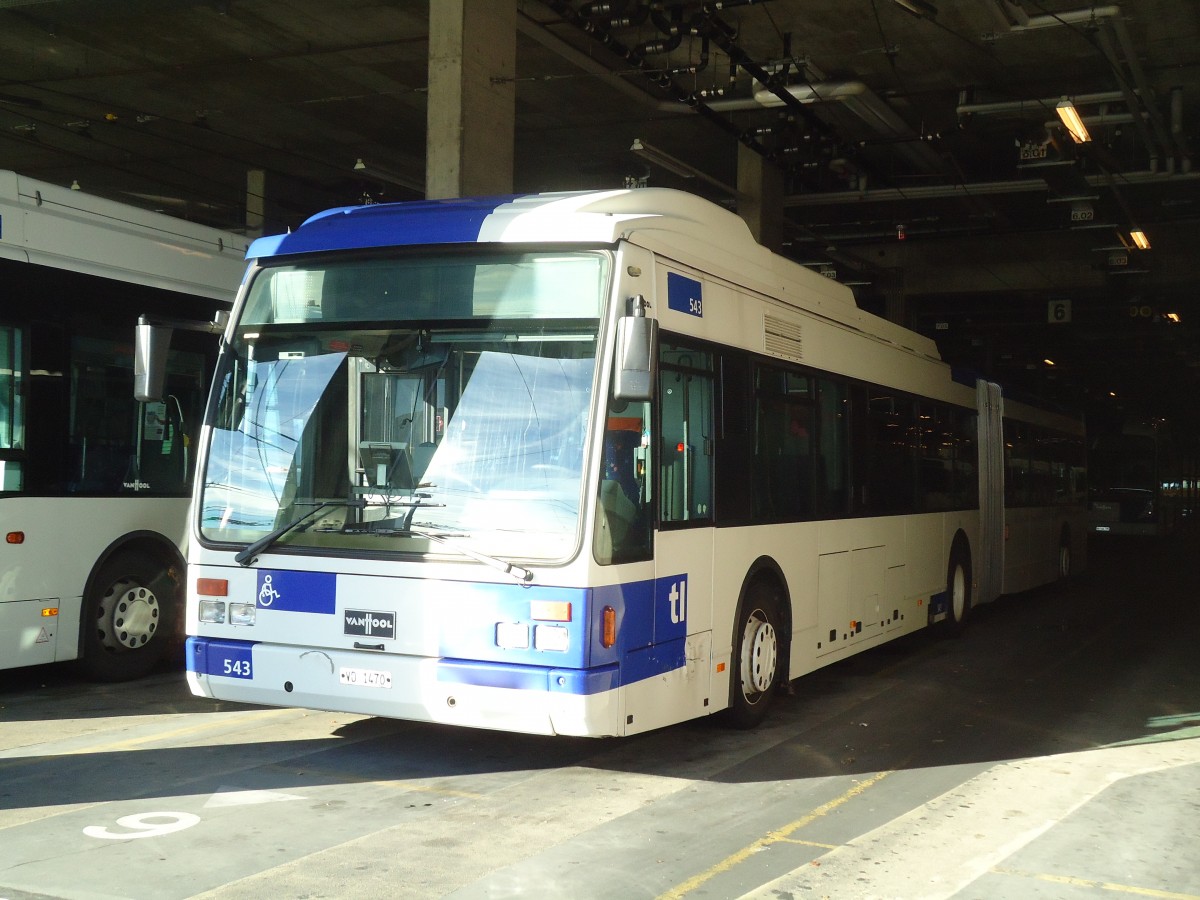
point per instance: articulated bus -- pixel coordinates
(588, 464)
(94, 488)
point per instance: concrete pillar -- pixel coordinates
(472, 97)
(895, 300)
(256, 202)
(760, 184)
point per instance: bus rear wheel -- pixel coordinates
(1064, 556)
(758, 653)
(958, 588)
(129, 613)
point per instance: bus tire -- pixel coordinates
(128, 614)
(958, 587)
(1064, 555)
(759, 654)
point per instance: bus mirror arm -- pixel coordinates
(636, 356)
(152, 341)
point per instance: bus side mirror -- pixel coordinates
(151, 343)
(636, 358)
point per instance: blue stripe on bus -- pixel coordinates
(235, 659)
(226, 659)
(455, 221)
(528, 678)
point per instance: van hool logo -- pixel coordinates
(369, 623)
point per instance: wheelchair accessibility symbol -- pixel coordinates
(267, 593)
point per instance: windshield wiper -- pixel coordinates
(405, 529)
(520, 573)
(247, 555)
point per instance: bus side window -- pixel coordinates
(785, 425)
(833, 455)
(623, 521)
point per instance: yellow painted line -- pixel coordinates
(221, 724)
(809, 843)
(1102, 885)
(772, 837)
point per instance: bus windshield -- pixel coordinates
(384, 401)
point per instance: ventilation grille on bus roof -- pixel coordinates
(782, 338)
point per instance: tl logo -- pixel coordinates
(678, 600)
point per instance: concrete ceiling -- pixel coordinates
(934, 124)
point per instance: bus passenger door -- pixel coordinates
(683, 549)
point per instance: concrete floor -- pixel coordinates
(1051, 751)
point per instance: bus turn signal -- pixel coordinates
(608, 635)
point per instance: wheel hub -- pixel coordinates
(760, 654)
(128, 616)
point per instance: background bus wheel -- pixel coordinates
(758, 653)
(958, 588)
(1064, 556)
(129, 616)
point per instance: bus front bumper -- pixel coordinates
(529, 699)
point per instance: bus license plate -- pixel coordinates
(365, 677)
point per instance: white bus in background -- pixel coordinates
(589, 464)
(94, 488)
(1135, 481)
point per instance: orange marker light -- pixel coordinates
(720, 667)
(679, 447)
(212, 587)
(608, 635)
(15, 537)
(50, 612)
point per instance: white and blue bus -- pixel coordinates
(94, 488)
(588, 464)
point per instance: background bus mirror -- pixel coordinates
(151, 343)
(635, 358)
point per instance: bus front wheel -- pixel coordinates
(758, 653)
(128, 617)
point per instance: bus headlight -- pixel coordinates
(241, 613)
(550, 637)
(212, 612)
(512, 636)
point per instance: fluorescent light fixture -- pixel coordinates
(1048, 362)
(677, 166)
(382, 174)
(1174, 317)
(661, 159)
(922, 9)
(1139, 239)
(1070, 119)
